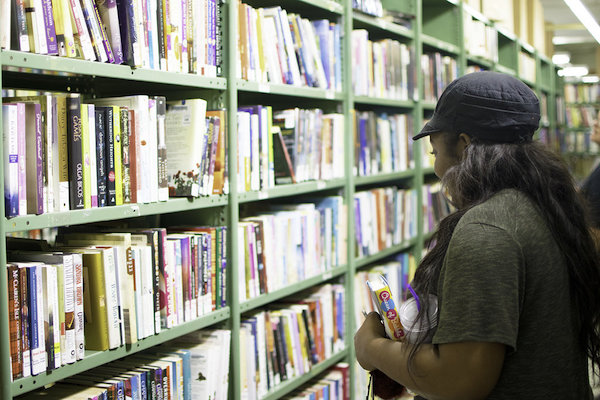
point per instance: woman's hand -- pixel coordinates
(371, 329)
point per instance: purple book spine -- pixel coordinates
(104, 35)
(109, 15)
(49, 27)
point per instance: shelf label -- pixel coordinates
(327, 275)
(263, 195)
(321, 185)
(329, 94)
(264, 88)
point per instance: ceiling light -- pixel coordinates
(561, 58)
(575, 70)
(590, 79)
(562, 40)
(582, 13)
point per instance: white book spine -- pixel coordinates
(136, 258)
(84, 36)
(78, 297)
(152, 166)
(53, 298)
(11, 166)
(147, 290)
(41, 31)
(69, 349)
(21, 161)
(92, 155)
(112, 299)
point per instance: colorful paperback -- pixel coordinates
(384, 303)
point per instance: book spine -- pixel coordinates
(39, 356)
(116, 117)
(21, 158)
(30, 17)
(163, 184)
(93, 160)
(11, 166)
(110, 18)
(64, 28)
(101, 156)
(62, 156)
(85, 40)
(14, 318)
(160, 29)
(103, 34)
(184, 63)
(20, 24)
(133, 157)
(25, 322)
(78, 306)
(41, 40)
(110, 157)
(75, 152)
(50, 30)
(85, 156)
(87, 7)
(125, 155)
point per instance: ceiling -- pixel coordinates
(564, 24)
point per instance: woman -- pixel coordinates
(514, 269)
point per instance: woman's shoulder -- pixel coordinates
(504, 209)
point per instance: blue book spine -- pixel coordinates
(33, 312)
(337, 48)
(364, 147)
(322, 31)
(223, 230)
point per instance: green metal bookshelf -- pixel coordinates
(437, 26)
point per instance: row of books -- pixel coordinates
(383, 68)
(582, 93)
(290, 243)
(178, 36)
(436, 206)
(288, 146)
(384, 217)
(286, 341)
(62, 152)
(333, 385)
(382, 143)
(438, 71)
(99, 291)
(194, 366)
(370, 7)
(578, 142)
(276, 47)
(527, 66)
(480, 39)
(581, 116)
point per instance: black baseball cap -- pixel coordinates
(490, 106)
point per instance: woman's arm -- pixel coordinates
(461, 371)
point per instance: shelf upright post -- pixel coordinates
(462, 55)
(230, 35)
(348, 106)
(5, 367)
(418, 179)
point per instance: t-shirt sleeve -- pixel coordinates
(480, 287)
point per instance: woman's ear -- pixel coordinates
(464, 140)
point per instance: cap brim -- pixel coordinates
(428, 129)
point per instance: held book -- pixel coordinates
(384, 303)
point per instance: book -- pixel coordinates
(163, 178)
(125, 155)
(20, 34)
(11, 166)
(61, 184)
(83, 40)
(383, 302)
(186, 127)
(109, 17)
(282, 162)
(14, 318)
(95, 31)
(64, 29)
(101, 174)
(74, 138)
(49, 28)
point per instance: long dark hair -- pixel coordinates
(487, 168)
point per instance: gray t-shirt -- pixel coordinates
(504, 280)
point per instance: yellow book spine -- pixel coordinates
(118, 155)
(388, 312)
(94, 303)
